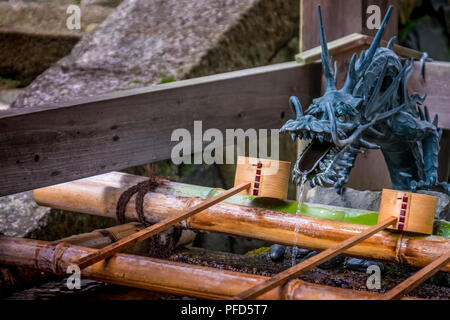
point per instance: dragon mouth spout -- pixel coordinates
(313, 158)
(321, 160)
(329, 155)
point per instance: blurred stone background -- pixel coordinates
(135, 43)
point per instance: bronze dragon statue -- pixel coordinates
(372, 110)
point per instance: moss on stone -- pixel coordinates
(257, 252)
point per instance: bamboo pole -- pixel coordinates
(124, 180)
(12, 279)
(160, 275)
(97, 197)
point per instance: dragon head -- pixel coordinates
(338, 122)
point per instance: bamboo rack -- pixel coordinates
(98, 196)
(312, 262)
(160, 275)
(146, 233)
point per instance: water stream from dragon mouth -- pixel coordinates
(301, 189)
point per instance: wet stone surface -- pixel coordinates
(20, 215)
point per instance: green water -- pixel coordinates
(358, 216)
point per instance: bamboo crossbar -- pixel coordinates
(160, 275)
(146, 233)
(98, 196)
(312, 262)
(416, 279)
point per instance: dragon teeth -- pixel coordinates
(319, 180)
(327, 180)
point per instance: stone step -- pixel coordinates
(34, 35)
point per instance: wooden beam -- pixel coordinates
(353, 43)
(49, 144)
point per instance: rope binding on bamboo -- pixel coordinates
(157, 247)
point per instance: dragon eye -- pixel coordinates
(341, 118)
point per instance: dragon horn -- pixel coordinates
(296, 107)
(326, 59)
(351, 76)
(391, 43)
(376, 42)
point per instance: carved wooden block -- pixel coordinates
(415, 212)
(269, 178)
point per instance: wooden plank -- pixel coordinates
(146, 233)
(352, 42)
(49, 144)
(416, 279)
(312, 262)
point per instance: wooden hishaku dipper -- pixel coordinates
(146, 233)
(312, 262)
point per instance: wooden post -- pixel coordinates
(341, 18)
(312, 262)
